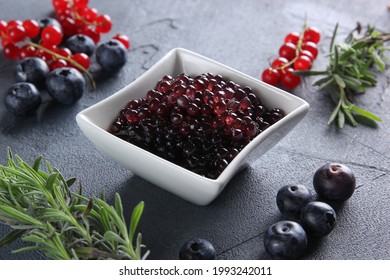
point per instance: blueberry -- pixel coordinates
(197, 249)
(291, 199)
(22, 99)
(80, 43)
(285, 240)
(318, 218)
(334, 181)
(65, 85)
(48, 21)
(111, 55)
(32, 70)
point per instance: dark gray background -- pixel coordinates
(245, 35)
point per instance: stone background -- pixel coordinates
(245, 35)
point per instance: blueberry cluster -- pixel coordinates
(288, 239)
(200, 123)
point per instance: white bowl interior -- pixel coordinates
(95, 121)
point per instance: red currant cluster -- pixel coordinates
(15, 37)
(76, 17)
(51, 50)
(297, 53)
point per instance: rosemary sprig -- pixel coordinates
(42, 209)
(350, 72)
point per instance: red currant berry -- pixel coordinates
(27, 51)
(123, 39)
(302, 63)
(82, 59)
(44, 55)
(81, 12)
(95, 36)
(32, 28)
(60, 4)
(11, 51)
(6, 41)
(287, 50)
(308, 54)
(16, 33)
(289, 80)
(103, 24)
(80, 3)
(13, 23)
(68, 26)
(279, 63)
(3, 26)
(91, 14)
(57, 64)
(271, 76)
(64, 52)
(292, 37)
(311, 47)
(51, 36)
(312, 34)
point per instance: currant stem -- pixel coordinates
(58, 56)
(297, 51)
(79, 17)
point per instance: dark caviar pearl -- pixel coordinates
(132, 116)
(153, 104)
(190, 92)
(183, 101)
(188, 148)
(133, 104)
(192, 109)
(176, 118)
(200, 123)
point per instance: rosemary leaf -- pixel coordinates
(11, 236)
(135, 217)
(378, 61)
(340, 119)
(112, 236)
(364, 113)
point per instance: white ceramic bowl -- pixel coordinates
(95, 120)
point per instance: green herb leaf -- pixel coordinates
(37, 163)
(135, 217)
(11, 237)
(378, 61)
(112, 236)
(339, 80)
(349, 117)
(365, 113)
(323, 80)
(333, 37)
(366, 121)
(334, 113)
(340, 119)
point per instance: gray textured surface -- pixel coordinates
(244, 35)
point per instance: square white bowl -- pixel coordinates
(95, 120)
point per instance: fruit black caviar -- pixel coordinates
(200, 123)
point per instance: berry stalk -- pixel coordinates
(67, 59)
